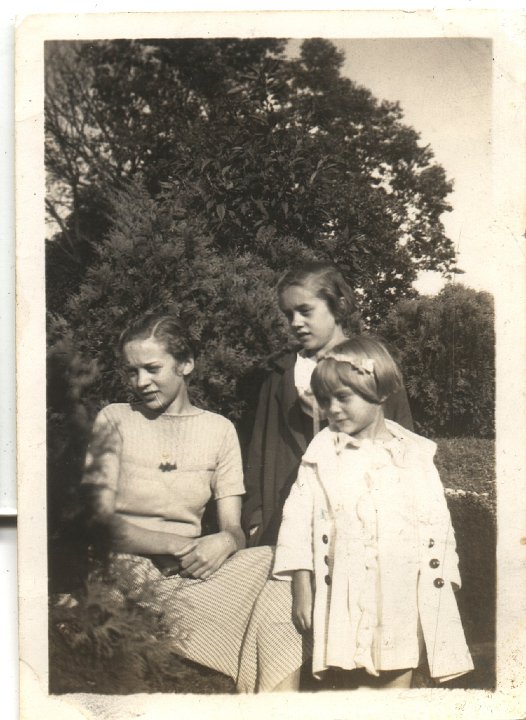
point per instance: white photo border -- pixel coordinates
(506, 29)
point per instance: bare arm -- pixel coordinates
(129, 538)
(211, 551)
(302, 599)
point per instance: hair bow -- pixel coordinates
(366, 365)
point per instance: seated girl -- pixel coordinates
(152, 466)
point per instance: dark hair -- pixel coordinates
(328, 284)
(164, 328)
(376, 386)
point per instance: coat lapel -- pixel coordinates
(288, 401)
(322, 454)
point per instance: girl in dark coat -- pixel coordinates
(321, 312)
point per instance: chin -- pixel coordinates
(347, 427)
(153, 405)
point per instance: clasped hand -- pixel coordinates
(203, 556)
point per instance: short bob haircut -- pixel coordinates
(375, 386)
(165, 328)
(328, 284)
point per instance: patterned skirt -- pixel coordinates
(238, 621)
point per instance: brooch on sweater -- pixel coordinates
(166, 465)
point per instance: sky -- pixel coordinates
(444, 87)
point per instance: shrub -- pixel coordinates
(446, 346)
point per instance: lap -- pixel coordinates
(207, 619)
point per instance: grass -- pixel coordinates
(97, 645)
(467, 464)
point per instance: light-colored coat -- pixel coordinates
(415, 564)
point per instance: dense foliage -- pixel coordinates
(187, 175)
(446, 345)
(252, 144)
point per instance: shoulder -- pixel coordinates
(214, 422)
(321, 446)
(271, 374)
(416, 443)
(281, 361)
(115, 412)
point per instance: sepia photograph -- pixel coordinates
(269, 309)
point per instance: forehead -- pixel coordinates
(143, 351)
(296, 295)
(334, 377)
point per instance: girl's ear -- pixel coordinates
(342, 306)
(186, 367)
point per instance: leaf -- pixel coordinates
(220, 210)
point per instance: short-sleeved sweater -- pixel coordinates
(164, 468)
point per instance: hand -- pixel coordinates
(202, 557)
(302, 600)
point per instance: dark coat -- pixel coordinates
(280, 436)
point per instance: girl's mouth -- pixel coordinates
(149, 396)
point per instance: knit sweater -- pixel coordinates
(164, 467)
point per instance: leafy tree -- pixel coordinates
(447, 350)
(187, 175)
(257, 145)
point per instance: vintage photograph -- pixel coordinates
(268, 283)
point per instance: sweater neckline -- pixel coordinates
(154, 416)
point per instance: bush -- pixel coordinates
(69, 414)
(446, 346)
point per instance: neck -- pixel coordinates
(377, 430)
(180, 405)
(338, 337)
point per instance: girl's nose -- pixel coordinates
(142, 378)
(296, 320)
(334, 406)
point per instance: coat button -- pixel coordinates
(434, 563)
(431, 543)
(325, 539)
(438, 582)
(328, 579)
(326, 559)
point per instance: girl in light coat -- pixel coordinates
(366, 535)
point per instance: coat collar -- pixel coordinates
(325, 452)
(288, 400)
(284, 361)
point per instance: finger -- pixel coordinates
(201, 573)
(297, 624)
(198, 566)
(209, 572)
(187, 560)
(185, 550)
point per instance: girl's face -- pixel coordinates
(349, 412)
(156, 376)
(310, 319)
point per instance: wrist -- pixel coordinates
(301, 581)
(229, 541)
(176, 544)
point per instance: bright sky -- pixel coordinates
(444, 88)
